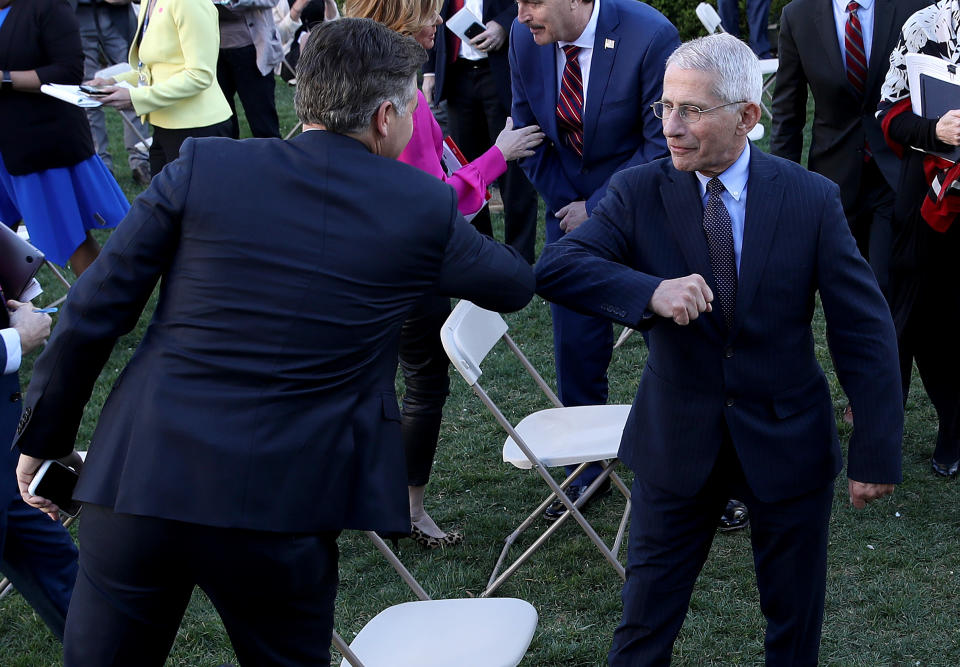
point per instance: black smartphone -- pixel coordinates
(92, 90)
(55, 481)
(473, 30)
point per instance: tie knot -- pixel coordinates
(715, 186)
(853, 6)
(571, 52)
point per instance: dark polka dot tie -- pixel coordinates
(719, 230)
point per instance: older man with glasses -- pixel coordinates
(719, 253)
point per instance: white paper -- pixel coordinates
(461, 21)
(32, 291)
(921, 63)
(69, 94)
(113, 70)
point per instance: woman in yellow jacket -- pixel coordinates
(174, 77)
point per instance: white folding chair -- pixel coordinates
(768, 66)
(470, 632)
(554, 437)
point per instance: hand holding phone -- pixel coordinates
(93, 91)
(55, 482)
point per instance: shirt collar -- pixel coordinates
(589, 34)
(734, 177)
(841, 5)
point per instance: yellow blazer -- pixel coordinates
(178, 53)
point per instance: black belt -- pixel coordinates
(483, 63)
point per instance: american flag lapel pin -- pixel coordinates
(609, 43)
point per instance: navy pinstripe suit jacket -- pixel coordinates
(760, 380)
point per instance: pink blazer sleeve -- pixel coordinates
(426, 148)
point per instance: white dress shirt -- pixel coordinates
(865, 14)
(585, 42)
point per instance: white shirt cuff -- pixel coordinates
(11, 340)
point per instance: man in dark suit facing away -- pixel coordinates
(269, 362)
(841, 50)
(719, 252)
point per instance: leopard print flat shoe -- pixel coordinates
(452, 538)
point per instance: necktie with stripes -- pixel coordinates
(856, 56)
(570, 104)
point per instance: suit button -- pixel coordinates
(727, 353)
(730, 402)
(15, 396)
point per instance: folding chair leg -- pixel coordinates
(4, 586)
(573, 509)
(345, 651)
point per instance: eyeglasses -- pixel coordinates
(687, 112)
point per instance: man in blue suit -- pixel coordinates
(719, 253)
(37, 555)
(605, 57)
(269, 363)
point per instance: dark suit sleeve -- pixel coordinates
(651, 70)
(477, 268)
(61, 44)
(863, 345)
(505, 14)
(789, 99)
(588, 269)
(543, 168)
(104, 304)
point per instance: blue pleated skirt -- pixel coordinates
(59, 205)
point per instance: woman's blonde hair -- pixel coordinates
(407, 17)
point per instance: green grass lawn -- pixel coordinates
(893, 592)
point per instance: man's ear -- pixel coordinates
(749, 117)
(382, 119)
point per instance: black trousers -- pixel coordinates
(871, 222)
(424, 365)
(670, 537)
(166, 143)
(237, 73)
(476, 117)
(274, 591)
(926, 309)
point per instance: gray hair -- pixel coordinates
(736, 67)
(348, 68)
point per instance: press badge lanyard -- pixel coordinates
(141, 76)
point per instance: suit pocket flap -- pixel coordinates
(391, 410)
(799, 399)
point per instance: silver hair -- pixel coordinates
(348, 68)
(736, 67)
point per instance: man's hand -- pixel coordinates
(429, 81)
(682, 299)
(32, 327)
(97, 82)
(861, 493)
(948, 128)
(27, 469)
(490, 39)
(572, 215)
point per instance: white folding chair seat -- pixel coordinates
(548, 438)
(488, 632)
(568, 436)
(470, 632)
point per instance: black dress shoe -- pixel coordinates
(734, 517)
(556, 509)
(945, 470)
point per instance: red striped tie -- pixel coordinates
(570, 104)
(856, 54)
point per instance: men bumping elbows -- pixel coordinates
(719, 252)
(269, 363)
